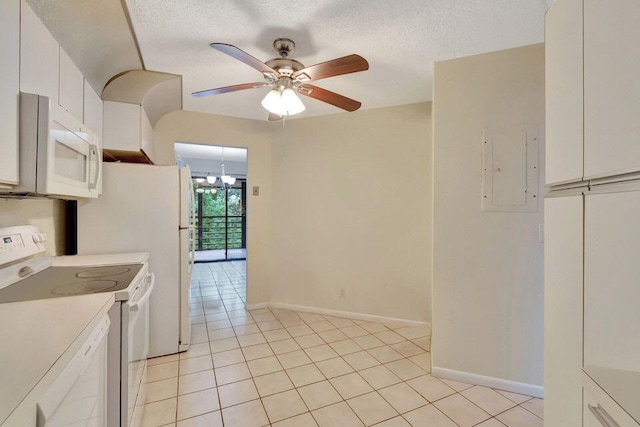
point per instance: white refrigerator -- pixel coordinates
(147, 208)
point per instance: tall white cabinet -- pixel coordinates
(9, 90)
(563, 315)
(592, 231)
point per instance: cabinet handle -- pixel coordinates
(603, 416)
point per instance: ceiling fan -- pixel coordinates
(288, 76)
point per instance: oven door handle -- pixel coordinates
(145, 297)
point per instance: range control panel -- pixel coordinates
(10, 243)
(20, 242)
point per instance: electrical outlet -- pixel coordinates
(342, 293)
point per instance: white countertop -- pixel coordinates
(37, 334)
(102, 259)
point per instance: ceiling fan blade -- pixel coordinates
(329, 97)
(335, 67)
(218, 91)
(243, 56)
(274, 117)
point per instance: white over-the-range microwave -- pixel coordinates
(59, 156)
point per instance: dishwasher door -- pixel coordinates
(79, 395)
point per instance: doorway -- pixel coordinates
(221, 222)
(219, 182)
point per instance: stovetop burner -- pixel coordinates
(55, 282)
(103, 272)
(82, 288)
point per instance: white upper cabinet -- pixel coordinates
(93, 110)
(611, 87)
(127, 132)
(563, 85)
(9, 89)
(71, 88)
(39, 56)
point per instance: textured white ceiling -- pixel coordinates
(400, 39)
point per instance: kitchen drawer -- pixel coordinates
(601, 410)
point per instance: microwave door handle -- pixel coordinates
(93, 158)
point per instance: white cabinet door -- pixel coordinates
(92, 110)
(127, 129)
(611, 288)
(121, 126)
(71, 89)
(563, 311)
(147, 137)
(563, 86)
(39, 56)
(9, 89)
(611, 87)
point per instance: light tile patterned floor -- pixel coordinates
(273, 367)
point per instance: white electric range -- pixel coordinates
(27, 272)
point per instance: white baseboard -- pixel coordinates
(348, 314)
(257, 306)
(500, 384)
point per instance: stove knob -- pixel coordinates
(39, 237)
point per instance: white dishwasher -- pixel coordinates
(79, 395)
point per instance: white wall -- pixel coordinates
(186, 126)
(488, 267)
(331, 214)
(352, 208)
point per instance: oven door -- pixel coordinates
(138, 348)
(69, 159)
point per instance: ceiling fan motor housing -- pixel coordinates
(285, 66)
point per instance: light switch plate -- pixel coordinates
(256, 191)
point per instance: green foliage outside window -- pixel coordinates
(214, 206)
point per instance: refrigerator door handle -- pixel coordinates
(192, 258)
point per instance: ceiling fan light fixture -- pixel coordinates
(291, 102)
(211, 179)
(272, 101)
(283, 102)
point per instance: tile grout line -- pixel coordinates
(285, 325)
